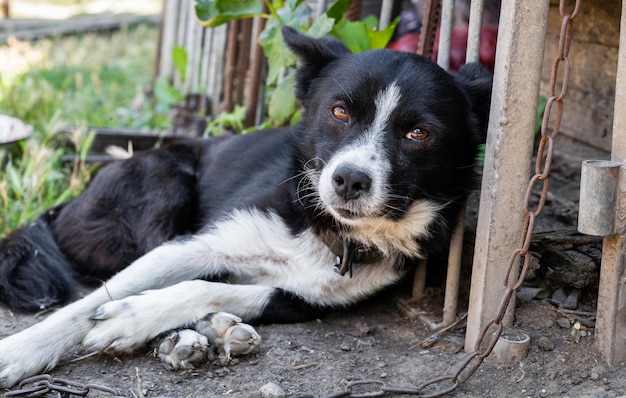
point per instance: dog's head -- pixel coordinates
(386, 136)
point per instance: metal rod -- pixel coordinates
(386, 9)
(477, 8)
(611, 321)
(453, 277)
(445, 33)
(508, 157)
(430, 22)
(320, 8)
(596, 209)
(419, 280)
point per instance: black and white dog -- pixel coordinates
(275, 226)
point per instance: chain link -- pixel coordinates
(41, 385)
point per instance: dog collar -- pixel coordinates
(349, 252)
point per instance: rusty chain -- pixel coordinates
(493, 330)
(40, 385)
(45, 384)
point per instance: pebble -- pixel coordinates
(594, 376)
(545, 344)
(271, 390)
(564, 323)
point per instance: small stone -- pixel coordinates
(271, 390)
(545, 344)
(345, 347)
(594, 376)
(564, 323)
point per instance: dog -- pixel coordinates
(203, 237)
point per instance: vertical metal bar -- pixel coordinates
(508, 157)
(475, 29)
(453, 276)
(611, 322)
(430, 21)
(320, 7)
(419, 280)
(445, 33)
(385, 14)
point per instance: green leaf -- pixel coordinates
(363, 35)
(352, 34)
(217, 12)
(321, 26)
(294, 13)
(165, 94)
(179, 57)
(338, 9)
(276, 51)
(380, 38)
(283, 104)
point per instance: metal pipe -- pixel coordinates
(596, 209)
(445, 33)
(321, 8)
(475, 29)
(386, 9)
(453, 276)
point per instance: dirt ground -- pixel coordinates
(377, 340)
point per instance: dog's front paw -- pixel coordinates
(121, 326)
(229, 334)
(182, 349)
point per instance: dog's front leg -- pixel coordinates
(41, 346)
(123, 325)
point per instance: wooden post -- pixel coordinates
(611, 322)
(508, 157)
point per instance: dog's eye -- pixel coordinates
(340, 113)
(417, 135)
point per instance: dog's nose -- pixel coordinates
(350, 182)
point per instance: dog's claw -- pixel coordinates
(99, 315)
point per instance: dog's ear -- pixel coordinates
(476, 81)
(313, 55)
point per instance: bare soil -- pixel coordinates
(377, 340)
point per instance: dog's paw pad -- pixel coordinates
(241, 339)
(183, 349)
(229, 334)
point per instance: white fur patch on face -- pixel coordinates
(368, 156)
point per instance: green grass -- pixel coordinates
(94, 80)
(88, 80)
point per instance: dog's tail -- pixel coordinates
(34, 273)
